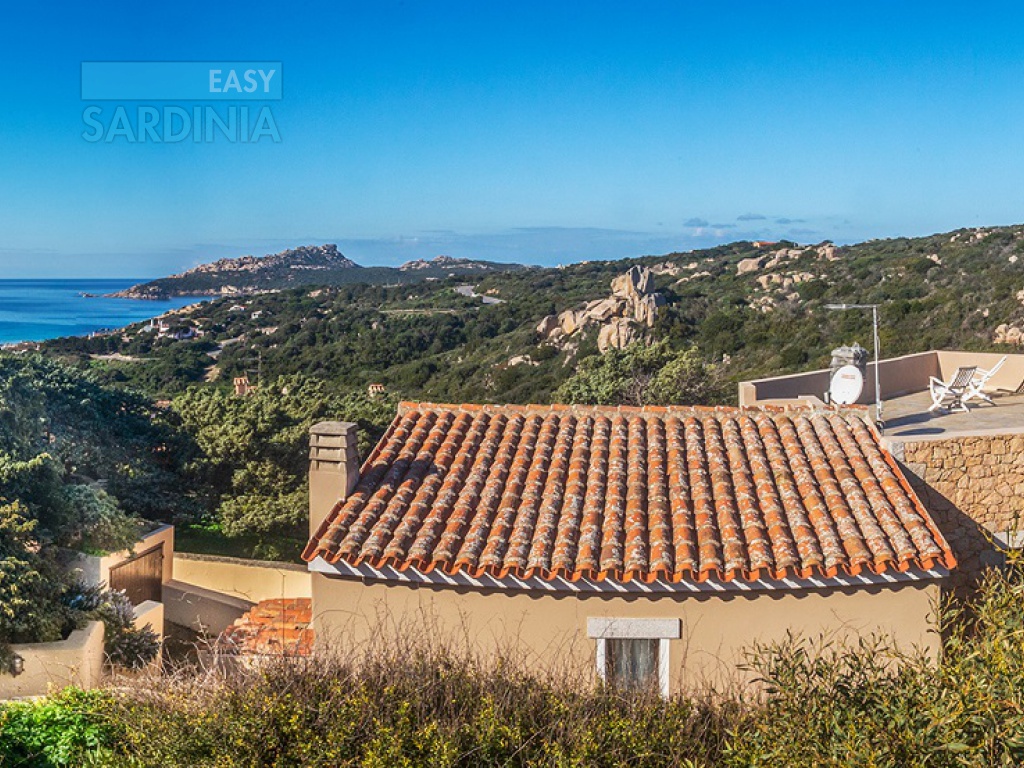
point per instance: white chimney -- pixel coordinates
(333, 468)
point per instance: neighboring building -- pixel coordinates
(653, 544)
(375, 390)
(36, 669)
(243, 387)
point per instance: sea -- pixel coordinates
(36, 310)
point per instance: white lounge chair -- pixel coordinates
(976, 389)
(1008, 391)
(951, 395)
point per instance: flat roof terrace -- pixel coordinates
(905, 396)
(908, 416)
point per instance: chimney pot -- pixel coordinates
(333, 468)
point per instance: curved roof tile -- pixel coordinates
(670, 494)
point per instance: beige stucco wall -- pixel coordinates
(150, 613)
(973, 486)
(208, 593)
(551, 631)
(78, 660)
(202, 610)
(897, 375)
(1008, 377)
(251, 580)
(96, 570)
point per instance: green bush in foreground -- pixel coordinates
(871, 705)
(65, 730)
(815, 705)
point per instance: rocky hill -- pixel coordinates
(753, 309)
(306, 265)
(446, 263)
(621, 319)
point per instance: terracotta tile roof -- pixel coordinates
(665, 494)
(272, 628)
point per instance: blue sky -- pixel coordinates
(542, 133)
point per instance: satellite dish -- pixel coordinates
(846, 385)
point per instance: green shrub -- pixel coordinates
(29, 610)
(255, 450)
(65, 730)
(873, 705)
(101, 525)
(644, 374)
(126, 646)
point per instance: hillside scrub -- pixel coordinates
(235, 467)
(871, 705)
(813, 703)
(644, 375)
(410, 707)
(81, 465)
(424, 341)
(254, 452)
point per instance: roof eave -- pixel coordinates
(585, 585)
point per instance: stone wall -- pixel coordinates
(973, 485)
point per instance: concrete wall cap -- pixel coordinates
(332, 428)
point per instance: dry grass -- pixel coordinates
(411, 705)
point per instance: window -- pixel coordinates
(631, 663)
(634, 653)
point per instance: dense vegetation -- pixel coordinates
(812, 703)
(253, 453)
(644, 375)
(312, 352)
(425, 341)
(81, 465)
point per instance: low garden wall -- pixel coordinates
(78, 660)
(96, 570)
(201, 610)
(208, 593)
(152, 613)
(251, 580)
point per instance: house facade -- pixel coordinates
(652, 546)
